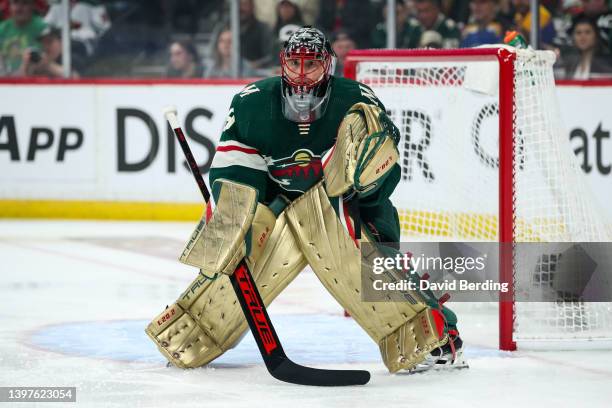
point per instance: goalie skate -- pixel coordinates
(447, 357)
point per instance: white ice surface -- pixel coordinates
(76, 296)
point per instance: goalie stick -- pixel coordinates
(254, 309)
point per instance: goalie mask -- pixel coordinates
(307, 63)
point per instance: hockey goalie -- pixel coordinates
(302, 176)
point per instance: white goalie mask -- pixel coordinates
(307, 63)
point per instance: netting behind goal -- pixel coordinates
(455, 108)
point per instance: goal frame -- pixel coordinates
(507, 115)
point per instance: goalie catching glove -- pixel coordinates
(364, 152)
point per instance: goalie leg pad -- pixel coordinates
(207, 320)
(336, 261)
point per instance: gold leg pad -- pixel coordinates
(207, 320)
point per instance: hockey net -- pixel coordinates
(484, 158)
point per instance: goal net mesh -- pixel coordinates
(447, 110)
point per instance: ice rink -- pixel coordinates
(76, 297)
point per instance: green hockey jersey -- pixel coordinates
(263, 149)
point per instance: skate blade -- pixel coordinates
(438, 368)
(458, 364)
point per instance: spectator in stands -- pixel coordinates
(353, 17)
(379, 35)
(598, 11)
(17, 34)
(256, 37)
(184, 61)
(48, 62)
(484, 27)
(342, 44)
(430, 18)
(88, 22)
(587, 60)
(221, 64)
(522, 21)
(287, 12)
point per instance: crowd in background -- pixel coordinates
(192, 38)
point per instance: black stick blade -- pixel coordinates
(291, 372)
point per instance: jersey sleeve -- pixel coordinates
(377, 211)
(236, 159)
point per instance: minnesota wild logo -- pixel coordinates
(298, 172)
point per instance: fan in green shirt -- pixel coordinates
(18, 33)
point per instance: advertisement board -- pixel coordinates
(106, 143)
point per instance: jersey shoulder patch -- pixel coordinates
(259, 90)
(247, 90)
(254, 98)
